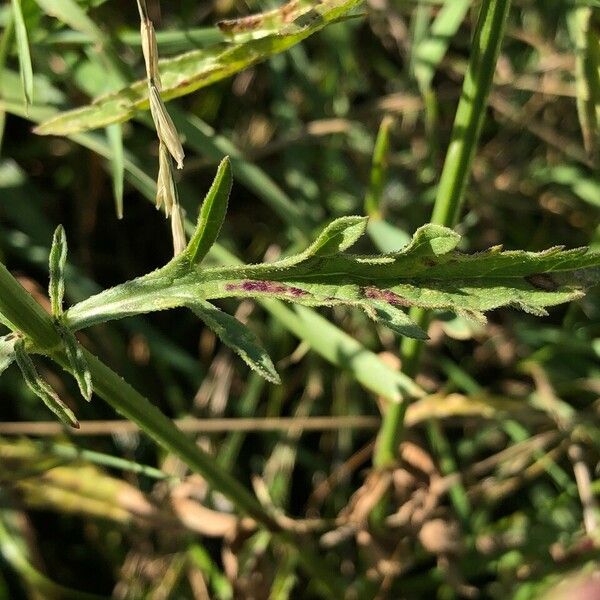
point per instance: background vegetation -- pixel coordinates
(494, 491)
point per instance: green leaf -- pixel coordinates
(188, 72)
(71, 14)
(58, 259)
(338, 236)
(77, 362)
(7, 351)
(238, 337)
(212, 214)
(396, 320)
(41, 389)
(427, 273)
(431, 50)
(23, 50)
(378, 168)
(270, 22)
(586, 40)
(114, 134)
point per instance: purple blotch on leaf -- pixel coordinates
(388, 296)
(266, 287)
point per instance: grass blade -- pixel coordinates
(23, 50)
(114, 134)
(186, 73)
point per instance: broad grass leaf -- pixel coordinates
(188, 72)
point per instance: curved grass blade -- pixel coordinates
(23, 50)
(238, 337)
(41, 389)
(188, 72)
(212, 214)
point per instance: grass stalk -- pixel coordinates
(466, 130)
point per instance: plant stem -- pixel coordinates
(23, 314)
(451, 190)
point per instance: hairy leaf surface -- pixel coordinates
(429, 272)
(238, 337)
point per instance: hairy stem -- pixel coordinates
(20, 311)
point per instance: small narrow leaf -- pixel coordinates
(431, 240)
(77, 362)
(396, 320)
(23, 50)
(7, 351)
(338, 236)
(239, 338)
(114, 134)
(58, 258)
(212, 214)
(41, 389)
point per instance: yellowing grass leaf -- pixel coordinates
(188, 72)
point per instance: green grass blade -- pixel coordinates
(586, 40)
(71, 13)
(470, 113)
(114, 134)
(186, 73)
(378, 169)
(432, 49)
(204, 139)
(23, 50)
